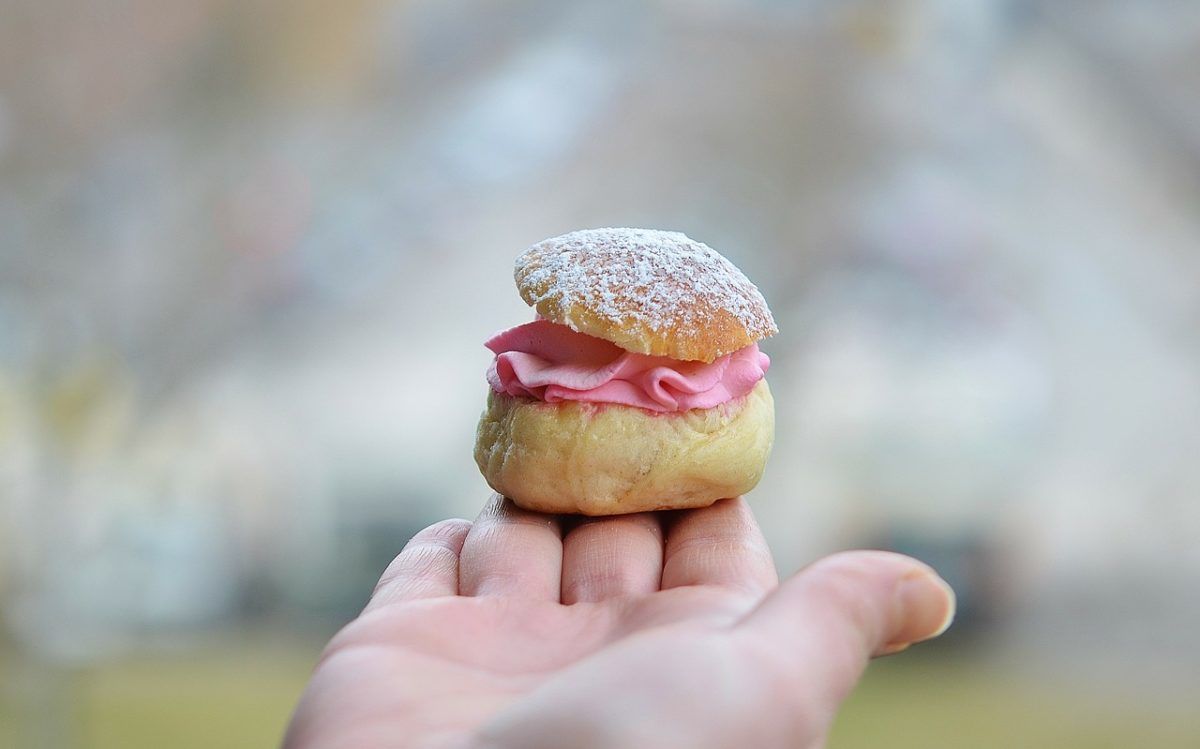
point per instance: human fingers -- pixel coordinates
(613, 556)
(513, 552)
(427, 567)
(818, 629)
(718, 545)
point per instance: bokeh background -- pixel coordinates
(249, 252)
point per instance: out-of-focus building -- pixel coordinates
(248, 254)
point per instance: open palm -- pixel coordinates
(658, 630)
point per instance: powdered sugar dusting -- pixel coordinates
(660, 279)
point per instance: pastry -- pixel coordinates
(638, 386)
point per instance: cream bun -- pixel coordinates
(639, 385)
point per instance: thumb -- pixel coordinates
(825, 622)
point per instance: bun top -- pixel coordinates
(648, 291)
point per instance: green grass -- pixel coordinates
(219, 701)
(931, 701)
(233, 696)
(241, 694)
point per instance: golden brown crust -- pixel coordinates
(609, 459)
(651, 292)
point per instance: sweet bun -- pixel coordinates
(669, 410)
(604, 459)
(650, 292)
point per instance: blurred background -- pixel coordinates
(226, 228)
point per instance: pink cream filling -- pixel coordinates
(553, 363)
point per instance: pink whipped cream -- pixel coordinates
(553, 363)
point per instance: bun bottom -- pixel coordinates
(608, 459)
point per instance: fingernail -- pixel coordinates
(928, 604)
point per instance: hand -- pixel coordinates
(648, 630)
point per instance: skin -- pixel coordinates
(655, 629)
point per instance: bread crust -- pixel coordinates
(650, 292)
(608, 459)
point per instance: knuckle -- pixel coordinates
(859, 592)
(443, 530)
(847, 591)
(416, 564)
(601, 582)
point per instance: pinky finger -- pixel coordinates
(427, 567)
